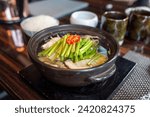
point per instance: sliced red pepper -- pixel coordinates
(72, 39)
(76, 38)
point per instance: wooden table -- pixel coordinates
(14, 57)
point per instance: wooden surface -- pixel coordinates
(14, 57)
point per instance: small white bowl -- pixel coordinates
(34, 24)
(84, 18)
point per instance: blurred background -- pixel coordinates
(104, 5)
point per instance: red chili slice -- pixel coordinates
(72, 39)
(77, 38)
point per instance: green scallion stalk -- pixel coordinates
(63, 52)
(54, 48)
(77, 48)
(58, 52)
(64, 39)
(84, 41)
(89, 56)
(90, 50)
(44, 52)
(71, 55)
(97, 56)
(76, 59)
(68, 51)
(86, 47)
(81, 57)
(73, 48)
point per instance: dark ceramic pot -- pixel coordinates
(68, 77)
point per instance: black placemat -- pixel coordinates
(137, 84)
(96, 91)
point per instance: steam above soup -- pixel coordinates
(73, 51)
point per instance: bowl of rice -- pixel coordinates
(35, 24)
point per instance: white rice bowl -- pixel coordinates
(36, 23)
